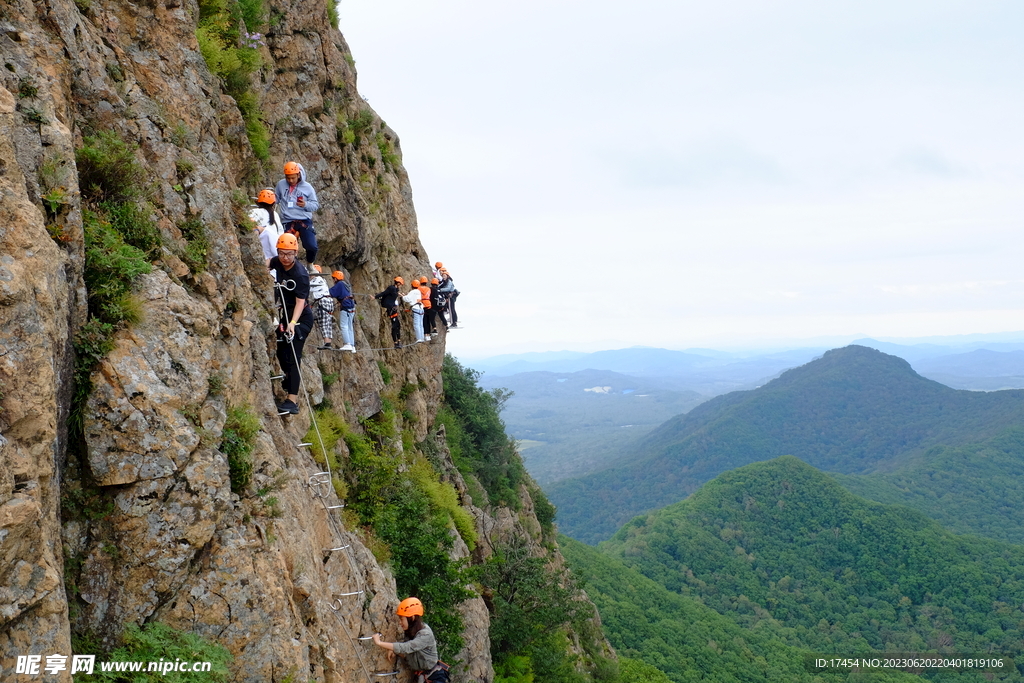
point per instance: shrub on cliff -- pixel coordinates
(476, 435)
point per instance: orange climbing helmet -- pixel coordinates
(266, 197)
(317, 268)
(292, 167)
(434, 281)
(399, 280)
(338, 275)
(439, 265)
(287, 241)
(410, 607)
(415, 284)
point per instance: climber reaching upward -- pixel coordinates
(419, 649)
(295, 321)
(297, 202)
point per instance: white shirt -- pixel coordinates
(269, 230)
(413, 298)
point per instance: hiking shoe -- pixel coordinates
(426, 338)
(326, 347)
(287, 407)
(348, 347)
(398, 345)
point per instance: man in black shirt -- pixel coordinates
(296, 320)
(389, 301)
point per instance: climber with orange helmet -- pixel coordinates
(435, 312)
(343, 294)
(428, 311)
(447, 289)
(390, 300)
(267, 223)
(296, 199)
(295, 321)
(419, 649)
(414, 300)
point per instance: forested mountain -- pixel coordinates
(683, 638)
(976, 488)
(780, 548)
(854, 410)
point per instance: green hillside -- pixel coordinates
(854, 410)
(779, 541)
(976, 488)
(681, 637)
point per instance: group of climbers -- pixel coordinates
(304, 300)
(429, 301)
(284, 216)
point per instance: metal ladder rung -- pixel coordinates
(365, 638)
(341, 548)
(343, 595)
(304, 445)
(334, 507)
(392, 673)
(277, 377)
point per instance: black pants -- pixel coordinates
(429, 318)
(291, 361)
(396, 325)
(308, 237)
(453, 316)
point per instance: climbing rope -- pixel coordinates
(315, 482)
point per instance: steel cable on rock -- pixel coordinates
(332, 522)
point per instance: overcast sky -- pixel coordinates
(680, 174)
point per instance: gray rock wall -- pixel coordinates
(150, 529)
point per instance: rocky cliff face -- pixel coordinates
(131, 517)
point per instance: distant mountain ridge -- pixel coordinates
(854, 410)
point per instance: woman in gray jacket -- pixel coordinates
(419, 648)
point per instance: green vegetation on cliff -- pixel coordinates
(476, 435)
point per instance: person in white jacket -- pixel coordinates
(267, 223)
(414, 300)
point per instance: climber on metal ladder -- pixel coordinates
(296, 320)
(420, 647)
